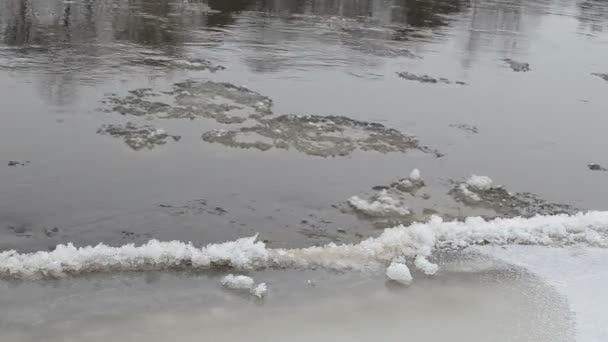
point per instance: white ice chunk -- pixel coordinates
(381, 205)
(425, 266)
(399, 272)
(260, 290)
(238, 282)
(480, 182)
(415, 175)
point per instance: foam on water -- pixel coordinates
(416, 240)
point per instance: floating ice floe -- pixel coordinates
(242, 282)
(418, 239)
(138, 137)
(260, 290)
(381, 204)
(426, 78)
(315, 135)
(479, 191)
(517, 66)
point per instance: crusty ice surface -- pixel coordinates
(418, 239)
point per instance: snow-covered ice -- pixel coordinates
(480, 182)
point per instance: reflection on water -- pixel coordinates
(86, 41)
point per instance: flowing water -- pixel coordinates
(123, 121)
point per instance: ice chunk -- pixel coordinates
(425, 266)
(400, 273)
(381, 205)
(260, 290)
(415, 176)
(468, 194)
(238, 282)
(480, 182)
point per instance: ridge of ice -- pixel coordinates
(410, 242)
(415, 175)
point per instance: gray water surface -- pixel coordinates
(514, 90)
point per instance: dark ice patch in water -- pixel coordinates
(224, 102)
(323, 136)
(455, 204)
(601, 75)
(17, 163)
(517, 66)
(198, 64)
(507, 204)
(138, 137)
(426, 78)
(596, 167)
(466, 127)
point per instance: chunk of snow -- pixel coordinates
(425, 266)
(238, 282)
(260, 290)
(480, 182)
(415, 175)
(406, 183)
(470, 195)
(399, 272)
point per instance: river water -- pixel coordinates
(262, 117)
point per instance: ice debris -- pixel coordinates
(323, 136)
(418, 239)
(415, 176)
(426, 78)
(242, 282)
(224, 102)
(382, 204)
(238, 282)
(479, 191)
(138, 137)
(400, 273)
(603, 76)
(596, 167)
(468, 194)
(517, 66)
(424, 265)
